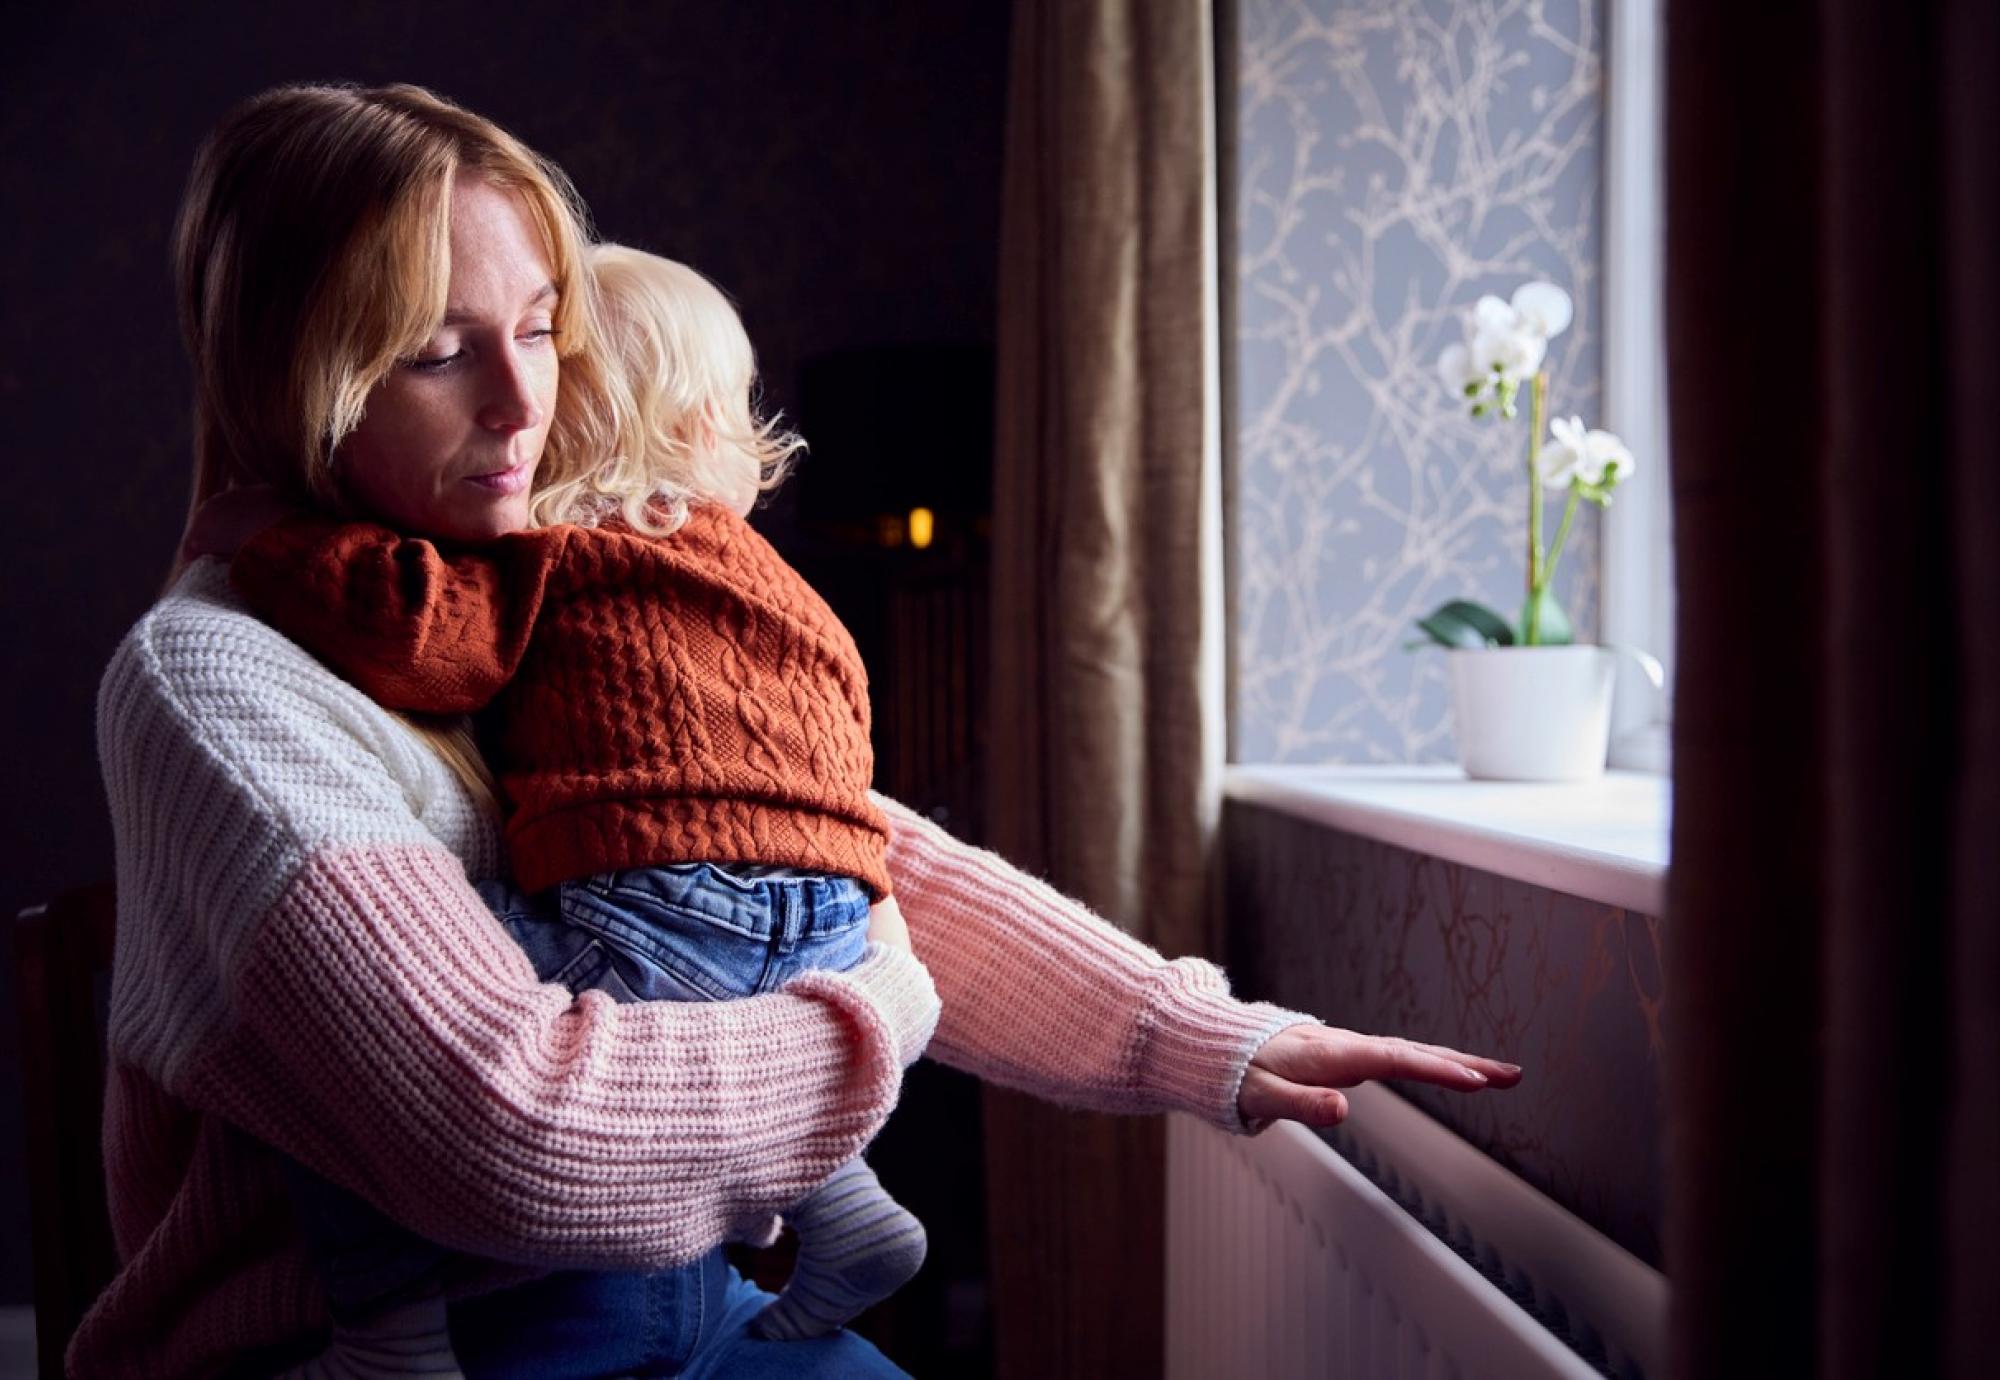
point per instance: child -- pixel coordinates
(682, 739)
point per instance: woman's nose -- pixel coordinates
(510, 403)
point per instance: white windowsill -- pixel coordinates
(1602, 840)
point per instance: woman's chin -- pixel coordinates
(483, 519)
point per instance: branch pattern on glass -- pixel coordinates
(1396, 161)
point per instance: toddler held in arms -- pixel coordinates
(679, 727)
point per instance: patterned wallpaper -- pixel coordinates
(1378, 938)
(1396, 159)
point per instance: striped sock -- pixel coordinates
(857, 1246)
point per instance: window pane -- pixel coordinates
(1394, 163)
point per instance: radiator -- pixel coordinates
(1285, 1259)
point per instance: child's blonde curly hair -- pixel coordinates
(689, 429)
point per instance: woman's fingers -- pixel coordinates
(1295, 1073)
(1389, 1057)
(1267, 1097)
(1499, 1073)
(1326, 1056)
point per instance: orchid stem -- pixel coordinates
(1531, 620)
(1562, 535)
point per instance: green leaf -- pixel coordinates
(1495, 629)
(1462, 623)
(1552, 627)
(1449, 631)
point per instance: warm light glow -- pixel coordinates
(921, 523)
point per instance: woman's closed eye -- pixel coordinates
(437, 363)
(434, 364)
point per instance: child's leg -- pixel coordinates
(366, 1262)
(857, 1246)
(695, 932)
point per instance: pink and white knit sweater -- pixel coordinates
(302, 964)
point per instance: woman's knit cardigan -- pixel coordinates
(302, 964)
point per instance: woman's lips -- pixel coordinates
(507, 481)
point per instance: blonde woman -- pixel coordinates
(388, 314)
(683, 726)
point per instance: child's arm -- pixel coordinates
(414, 628)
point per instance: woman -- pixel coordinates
(387, 312)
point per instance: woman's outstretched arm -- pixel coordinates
(1042, 995)
(300, 957)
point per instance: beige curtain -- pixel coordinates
(1107, 705)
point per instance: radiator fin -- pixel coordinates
(1285, 1260)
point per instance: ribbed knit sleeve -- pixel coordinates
(416, 626)
(300, 956)
(1042, 995)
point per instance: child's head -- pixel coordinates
(691, 432)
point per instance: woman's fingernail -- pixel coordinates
(1475, 1075)
(1510, 1068)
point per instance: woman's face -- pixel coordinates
(450, 441)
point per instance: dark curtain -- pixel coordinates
(1834, 936)
(1107, 723)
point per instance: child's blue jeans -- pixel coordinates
(695, 932)
(687, 933)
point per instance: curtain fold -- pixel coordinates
(1834, 928)
(1107, 711)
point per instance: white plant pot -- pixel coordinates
(1532, 713)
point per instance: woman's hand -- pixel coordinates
(1295, 1073)
(885, 924)
(223, 524)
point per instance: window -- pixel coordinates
(1392, 162)
(1638, 532)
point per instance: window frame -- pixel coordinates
(1637, 553)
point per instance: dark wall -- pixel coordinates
(1392, 940)
(834, 166)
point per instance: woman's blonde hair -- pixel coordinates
(312, 253)
(689, 429)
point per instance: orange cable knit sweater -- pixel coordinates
(685, 698)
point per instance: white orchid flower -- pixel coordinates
(1505, 344)
(1606, 460)
(1455, 368)
(1563, 456)
(1473, 379)
(1597, 458)
(1491, 316)
(1512, 354)
(1542, 308)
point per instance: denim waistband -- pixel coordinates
(785, 907)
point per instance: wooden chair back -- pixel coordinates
(62, 964)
